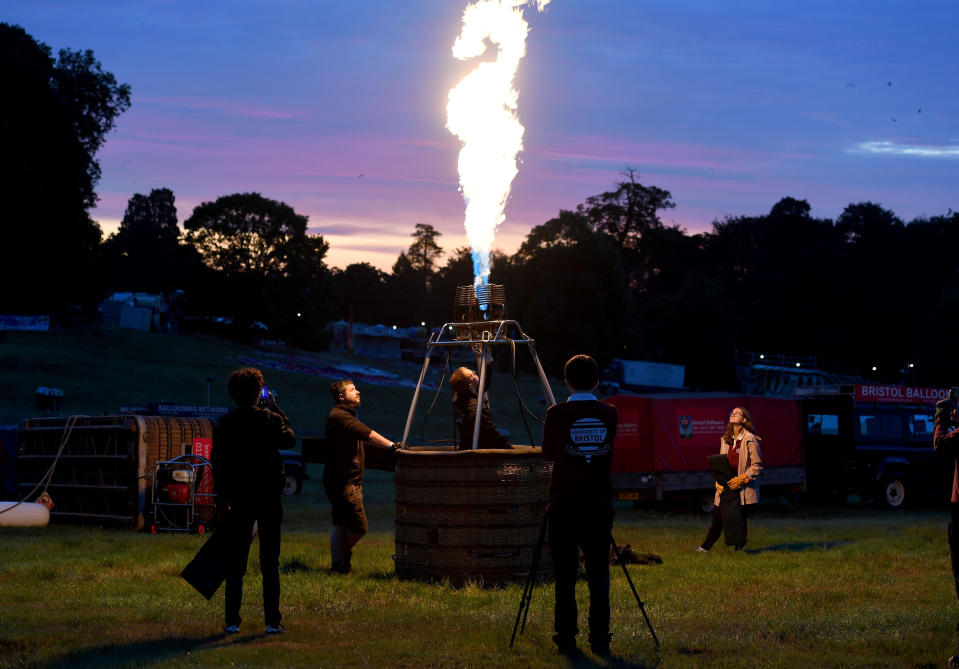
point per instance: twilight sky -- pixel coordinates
(338, 108)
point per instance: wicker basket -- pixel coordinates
(471, 515)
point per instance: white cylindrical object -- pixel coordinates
(26, 514)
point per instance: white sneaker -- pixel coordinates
(700, 549)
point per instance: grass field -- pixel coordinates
(101, 370)
(824, 587)
(846, 587)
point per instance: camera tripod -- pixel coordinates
(531, 580)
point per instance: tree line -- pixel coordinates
(864, 290)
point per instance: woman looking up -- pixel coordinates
(741, 445)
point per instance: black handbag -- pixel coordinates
(730, 506)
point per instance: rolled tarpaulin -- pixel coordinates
(23, 514)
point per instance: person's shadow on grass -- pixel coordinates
(583, 661)
(296, 565)
(797, 547)
(140, 652)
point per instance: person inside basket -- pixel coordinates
(466, 398)
(248, 481)
(578, 437)
(343, 473)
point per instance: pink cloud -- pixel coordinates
(231, 107)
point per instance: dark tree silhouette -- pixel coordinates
(151, 218)
(300, 304)
(424, 251)
(565, 286)
(267, 268)
(145, 254)
(629, 217)
(413, 273)
(694, 326)
(930, 261)
(246, 233)
(780, 272)
(368, 291)
(628, 212)
(56, 117)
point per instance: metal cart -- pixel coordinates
(182, 496)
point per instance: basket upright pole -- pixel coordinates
(416, 394)
(542, 375)
(480, 393)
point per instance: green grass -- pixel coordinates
(846, 587)
(101, 370)
(837, 587)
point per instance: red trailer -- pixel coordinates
(663, 439)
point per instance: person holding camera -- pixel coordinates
(945, 439)
(578, 437)
(741, 446)
(467, 402)
(346, 436)
(248, 480)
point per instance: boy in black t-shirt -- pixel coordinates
(578, 437)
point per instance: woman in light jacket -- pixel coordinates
(741, 445)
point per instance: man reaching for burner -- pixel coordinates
(343, 473)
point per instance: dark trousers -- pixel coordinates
(567, 534)
(954, 543)
(716, 528)
(268, 515)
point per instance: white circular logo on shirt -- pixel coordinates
(587, 431)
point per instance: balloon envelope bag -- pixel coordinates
(206, 570)
(729, 503)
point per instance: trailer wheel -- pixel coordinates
(892, 492)
(293, 484)
(706, 503)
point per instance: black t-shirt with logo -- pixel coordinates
(578, 437)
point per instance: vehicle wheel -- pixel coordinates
(293, 485)
(706, 503)
(892, 491)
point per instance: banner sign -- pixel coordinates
(872, 392)
(203, 446)
(25, 323)
(700, 426)
(186, 410)
(653, 374)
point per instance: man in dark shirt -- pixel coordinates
(945, 439)
(578, 437)
(248, 481)
(466, 398)
(343, 473)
